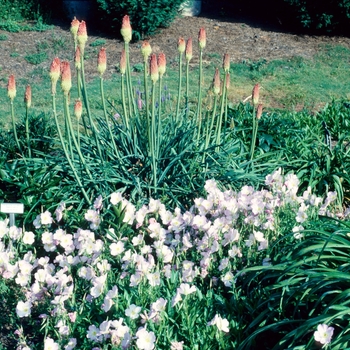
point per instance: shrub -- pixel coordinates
(146, 16)
(325, 16)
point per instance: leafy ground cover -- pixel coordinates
(187, 222)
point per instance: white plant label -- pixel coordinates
(12, 208)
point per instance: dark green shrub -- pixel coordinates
(325, 16)
(146, 16)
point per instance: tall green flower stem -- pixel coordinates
(254, 132)
(71, 131)
(210, 129)
(132, 104)
(187, 87)
(154, 137)
(14, 126)
(87, 105)
(159, 128)
(66, 152)
(199, 107)
(145, 82)
(179, 88)
(106, 117)
(27, 132)
(222, 109)
(125, 111)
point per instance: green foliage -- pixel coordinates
(36, 58)
(325, 16)
(146, 16)
(98, 42)
(3, 37)
(306, 285)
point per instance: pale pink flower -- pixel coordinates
(221, 323)
(133, 311)
(23, 309)
(145, 339)
(117, 248)
(50, 344)
(323, 334)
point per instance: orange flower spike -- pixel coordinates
(146, 50)
(82, 36)
(55, 72)
(226, 62)
(216, 82)
(66, 79)
(11, 87)
(102, 61)
(181, 45)
(74, 28)
(154, 68)
(189, 53)
(123, 62)
(202, 38)
(77, 58)
(126, 30)
(28, 96)
(259, 111)
(161, 64)
(78, 109)
(255, 94)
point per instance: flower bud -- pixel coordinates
(227, 81)
(82, 36)
(55, 72)
(259, 111)
(154, 68)
(202, 38)
(216, 83)
(126, 30)
(146, 50)
(66, 79)
(28, 96)
(255, 94)
(123, 62)
(102, 61)
(189, 54)
(77, 58)
(11, 87)
(78, 109)
(181, 45)
(161, 64)
(226, 62)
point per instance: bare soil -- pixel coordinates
(241, 39)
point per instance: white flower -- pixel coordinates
(49, 344)
(221, 323)
(28, 237)
(46, 218)
(323, 334)
(72, 343)
(145, 339)
(133, 311)
(23, 309)
(116, 248)
(186, 289)
(93, 333)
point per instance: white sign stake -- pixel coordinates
(12, 209)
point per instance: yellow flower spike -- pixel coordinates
(66, 78)
(78, 109)
(161, 63)
(102, 61)
(126, 30)
(28, 96)
(181, 45)
(55, 73)
(202, 38)
(154, 68)
(146, 50)
(82, 36)
(11, 87)
(189, 53)
(74, 28)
